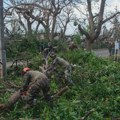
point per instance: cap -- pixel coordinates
(26, 69)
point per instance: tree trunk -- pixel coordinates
(88, 45)
(47, 33)
(29, 27)
(53, 28)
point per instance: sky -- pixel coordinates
(111, 5)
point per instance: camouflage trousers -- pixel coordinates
(64, 77)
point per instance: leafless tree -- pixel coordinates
(95, 22)
(20, 15)
(64, 19)
(44, 12)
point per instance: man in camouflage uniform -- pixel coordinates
(72, 46)
(34, 82)
(48, 49)
(59, 63)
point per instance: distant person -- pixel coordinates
(72, 46)
(116, 54)
(110, 48)
(48, 49)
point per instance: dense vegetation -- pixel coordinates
(96, 86)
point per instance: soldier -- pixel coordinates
(50, 48)
(60, 62)
(72, 46)
(34, 82)
(111, 48)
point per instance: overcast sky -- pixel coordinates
(111, 5)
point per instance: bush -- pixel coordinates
(96, 85)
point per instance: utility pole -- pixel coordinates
(2, 47)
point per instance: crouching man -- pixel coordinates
(33, 83)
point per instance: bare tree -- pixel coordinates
(64, 19)
(95, 22)
(21, 15)
(44, 12)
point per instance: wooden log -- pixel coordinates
(60, 92)
(11, 101)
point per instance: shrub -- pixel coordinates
(96, 85)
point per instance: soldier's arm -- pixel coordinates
(26, 81)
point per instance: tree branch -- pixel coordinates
(83, 31)
(91, 22)
(100, 18)
(60, 92)
(87, 114)
(104, 21)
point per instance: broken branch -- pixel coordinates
(87, 114)
(60, 92)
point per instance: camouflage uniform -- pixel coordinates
(34, 82)
(60, 62)
(72, 46)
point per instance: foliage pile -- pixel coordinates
(29, 46)
(25, 47)
(96, 86)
